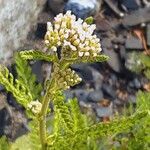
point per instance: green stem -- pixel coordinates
(42, 121)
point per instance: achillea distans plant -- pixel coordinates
(68, 41)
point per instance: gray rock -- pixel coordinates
(17, 17)
(130, 5)
(148, 34)
(104, 111)
(109, 91)
(68, 94)
(133, 43)
(114, 60)
(95, 96)
(81, 94)
(84, 70)
(83, 8)
(137, 17)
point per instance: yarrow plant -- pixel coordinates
(68, 41)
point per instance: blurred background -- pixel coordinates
(123, 27)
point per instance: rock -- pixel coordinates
(68, 94)
(133, 43)
(107, 43)
(83, 8)
(113, 5)
(148, 34)
(95, 96)
(84, 71)
(41, 30)
(114, 60)
(102, 111)
(16, 17)
(57, 6)
(122, 52)
(3, 116)
(130, 5)
(37, 70)
(137, 17)
(109, 91)
(81, 94)
(135, 84)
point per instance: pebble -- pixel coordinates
(95, 96)
(148, 34)
(114, 60)
(83, 8)
(81, 94)
(133, 43)
(137, 17)
(130, 5)
(104, 111)
(108, 90)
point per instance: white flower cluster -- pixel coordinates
(73, 36)
(35, 107)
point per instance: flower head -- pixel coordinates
(35, 107)
(75, 37)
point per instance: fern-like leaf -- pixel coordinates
(36, 55)
(25, 75)
(20, 92)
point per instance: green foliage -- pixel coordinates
(36, 55)
(69, 129)
(139, 62)
(19, 90)
(4, 145)
(26, 77)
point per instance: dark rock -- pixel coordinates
(109, 91)
(148, 34)
(84, 8)
(122, 52)
(41, 30)
(95, 96)
(130, 5)
(84, 71)
(133, 43)
(81, 94)
(114, 60)
(37, 70)
(137, 17)
(1, 88)
(137, 83)
(3, 116)
(113, 5)
(56, 6)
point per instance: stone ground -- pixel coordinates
(107, 87)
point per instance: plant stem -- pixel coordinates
(42, 121)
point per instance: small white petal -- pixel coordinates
(53, 48)
(80, 54)
(86, 54)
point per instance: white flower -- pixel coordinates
(35, 107)
(77, 35)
